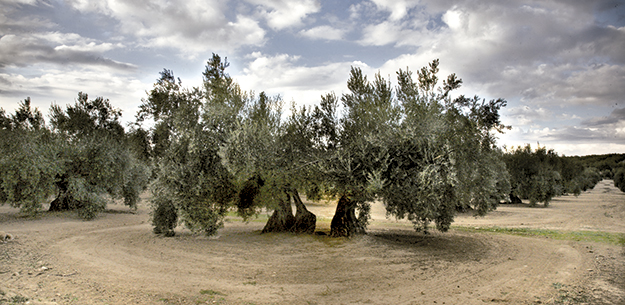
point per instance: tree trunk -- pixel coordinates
(305, 221)
(515, 199)
(282, 219)
(64, 201)
(345, 223)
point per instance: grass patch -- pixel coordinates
(586, 236)
(570, 295)
(210, 292)
(18, 299)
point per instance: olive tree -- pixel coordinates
(192, 185)
(369, 115)
(533, 175)
(259, 153)
(443, 156)
(82, 158)
(96, 162)
(424, 154)
(28, 161)
(218, 147)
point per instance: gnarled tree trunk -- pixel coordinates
(515, 199)
(305, 221)
(345, 223)
(282, 219)
(64, 201)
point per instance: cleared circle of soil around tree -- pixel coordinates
(115, 259)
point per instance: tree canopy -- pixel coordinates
(83, 158)
(425, 154)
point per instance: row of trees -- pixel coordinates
(217, 148)
(539, 175)
(82, 160)
(619, 178)
(611, 166)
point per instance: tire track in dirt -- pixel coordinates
(512, 270)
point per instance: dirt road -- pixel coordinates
(115, 259)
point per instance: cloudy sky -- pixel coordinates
(559, 64)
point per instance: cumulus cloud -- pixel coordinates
(381, 34)
(599, 135)
(401, 25)
(9, 23)
(565, 84)
(568, 140)
(29, 2)
(398, 8)
(62, 86)
(282, 14)
(302, 84)
(513, 47)
(525, 115)
(550, 59)
(191, 27)
(324, 32)
(617, 117)
(26, 40)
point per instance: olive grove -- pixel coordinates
(411, 143)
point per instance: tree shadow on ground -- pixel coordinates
(447, 246)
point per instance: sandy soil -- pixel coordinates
(115, 259)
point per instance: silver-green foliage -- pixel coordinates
(425, 154)
(191, 181)
(534, 174)
(28, 166)
(442, 156)
(253, 151)
(83, 159)
(95, 170)
(28, 160)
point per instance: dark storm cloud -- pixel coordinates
(541, 52)
(617, 116)
(610, 129)
(573, 134)
(26, 50)
(28, 38)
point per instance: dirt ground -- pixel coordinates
(57, 258)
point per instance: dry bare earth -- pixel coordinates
(115, 259)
